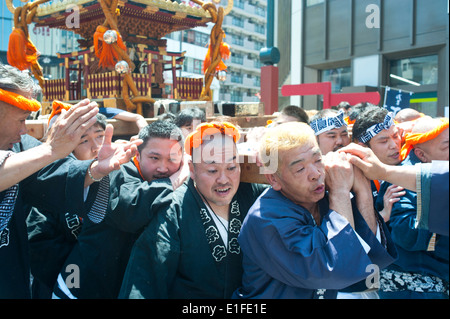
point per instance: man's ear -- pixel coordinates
(274, 181)
(138, 157)
(421, 155)
(191, 167)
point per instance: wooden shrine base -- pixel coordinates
(250, 172)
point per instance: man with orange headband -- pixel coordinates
(422, 269)
(430, 179)
(31, 174)
(190, 249)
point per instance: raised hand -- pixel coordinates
(67, 130)
(112, 155)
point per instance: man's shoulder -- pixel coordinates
(273, 204)
(26, 142)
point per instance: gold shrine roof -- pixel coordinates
(57, 6)
(139, 21)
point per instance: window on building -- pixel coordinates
(421, 73)
(310, 3)
(259, 28)
(258, 45)
(239, 22)
(237, 58)
(236, 39)
(236, 96)
(192, 65)
(189, 36)
(260, 11)
(414, 71)
(257, 63)
(198, 66)
(239, 4)
(257, 81)
(236, 78)
(339, 78)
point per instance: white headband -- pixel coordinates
(328, 123)
(377, 128)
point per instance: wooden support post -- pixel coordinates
(86, 76)
(174, 78)
(67, 79)
(269, 88)
(150, 74)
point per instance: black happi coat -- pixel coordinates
(181, 254)
(104, 243)
(62, 180)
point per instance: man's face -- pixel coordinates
(189, 128)
(217, 174)
(436, 149)
(301, 175)
(12, 125)
(160, 158)
(90, 143)
(386, 145)
(333, 140)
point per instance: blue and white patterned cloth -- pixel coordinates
(377, 128)
(328, 123)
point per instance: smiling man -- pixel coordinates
(301, 241)
(190, 250)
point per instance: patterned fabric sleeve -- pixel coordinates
(9, 199)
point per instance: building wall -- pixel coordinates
(341, 35)
(245, 29)
(195, 43)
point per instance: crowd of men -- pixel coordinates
(165, 215)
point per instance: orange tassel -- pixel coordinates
(225, 53)
(21, 52)
(108, 57)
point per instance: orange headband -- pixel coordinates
(348, 121)
(138, 166)
(412, 139)
(19, 101)
(57, 107)
(195, 139)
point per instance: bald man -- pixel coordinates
(421, 271)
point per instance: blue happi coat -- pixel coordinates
(286, 255)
